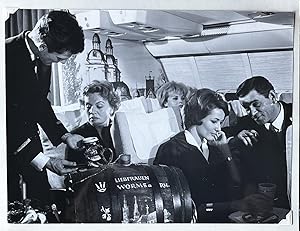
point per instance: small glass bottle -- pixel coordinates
(125, 211)
(136, 212)
(91, 148)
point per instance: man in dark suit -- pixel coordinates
(29, 56)
(262, 132)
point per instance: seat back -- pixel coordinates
(140, 134)
(236, 110)
(286, 97)
(140, 104)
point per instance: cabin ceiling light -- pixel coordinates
(259, 14)
(190, 36)
(107, 32)
(98, 30)
(95, 55)
(215, 31)
(141, 27)
(150, 30)
(130, 26)
(115, 34)
(171, 37)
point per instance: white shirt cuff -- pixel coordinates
(40, 161)
(228, 139)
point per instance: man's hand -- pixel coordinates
(72, 140)
(249, 137)
(60, 166)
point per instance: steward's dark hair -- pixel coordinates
(61, 32)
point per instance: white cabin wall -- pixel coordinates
(135, 62)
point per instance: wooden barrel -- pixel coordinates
(128, 194)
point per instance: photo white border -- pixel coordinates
(246, 5)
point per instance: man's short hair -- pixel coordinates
(200, 104)
(62, 33)
(258, 83)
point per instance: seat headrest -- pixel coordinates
(140, 134)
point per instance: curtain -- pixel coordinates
(22, 19)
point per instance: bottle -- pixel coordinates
(136, 213)
(147, 209)
(125, 211)
(91, 148)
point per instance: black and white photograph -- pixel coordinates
(159, 115)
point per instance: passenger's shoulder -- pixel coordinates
(82, 129)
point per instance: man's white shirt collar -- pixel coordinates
(32, 56)
(278, 122)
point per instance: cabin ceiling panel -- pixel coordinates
(210, 16)
(155, 25)
(262, 40)
(255, 41)
(176, 47)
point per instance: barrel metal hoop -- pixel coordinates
(175, 192)
(159, 206)
(186, 195)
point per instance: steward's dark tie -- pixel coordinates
(273, 129)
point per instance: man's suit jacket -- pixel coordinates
(27, 103)
(266, 160)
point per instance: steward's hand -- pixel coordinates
(249, 137)
(61, 167)
(72, 140)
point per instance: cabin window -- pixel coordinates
(227, 71)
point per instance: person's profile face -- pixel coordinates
(175, 99)
(48, 58)
(260, 108)
(211, 125)
(98, 109)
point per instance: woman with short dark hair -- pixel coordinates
(200, 105)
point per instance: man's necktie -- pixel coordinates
(272, 128)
